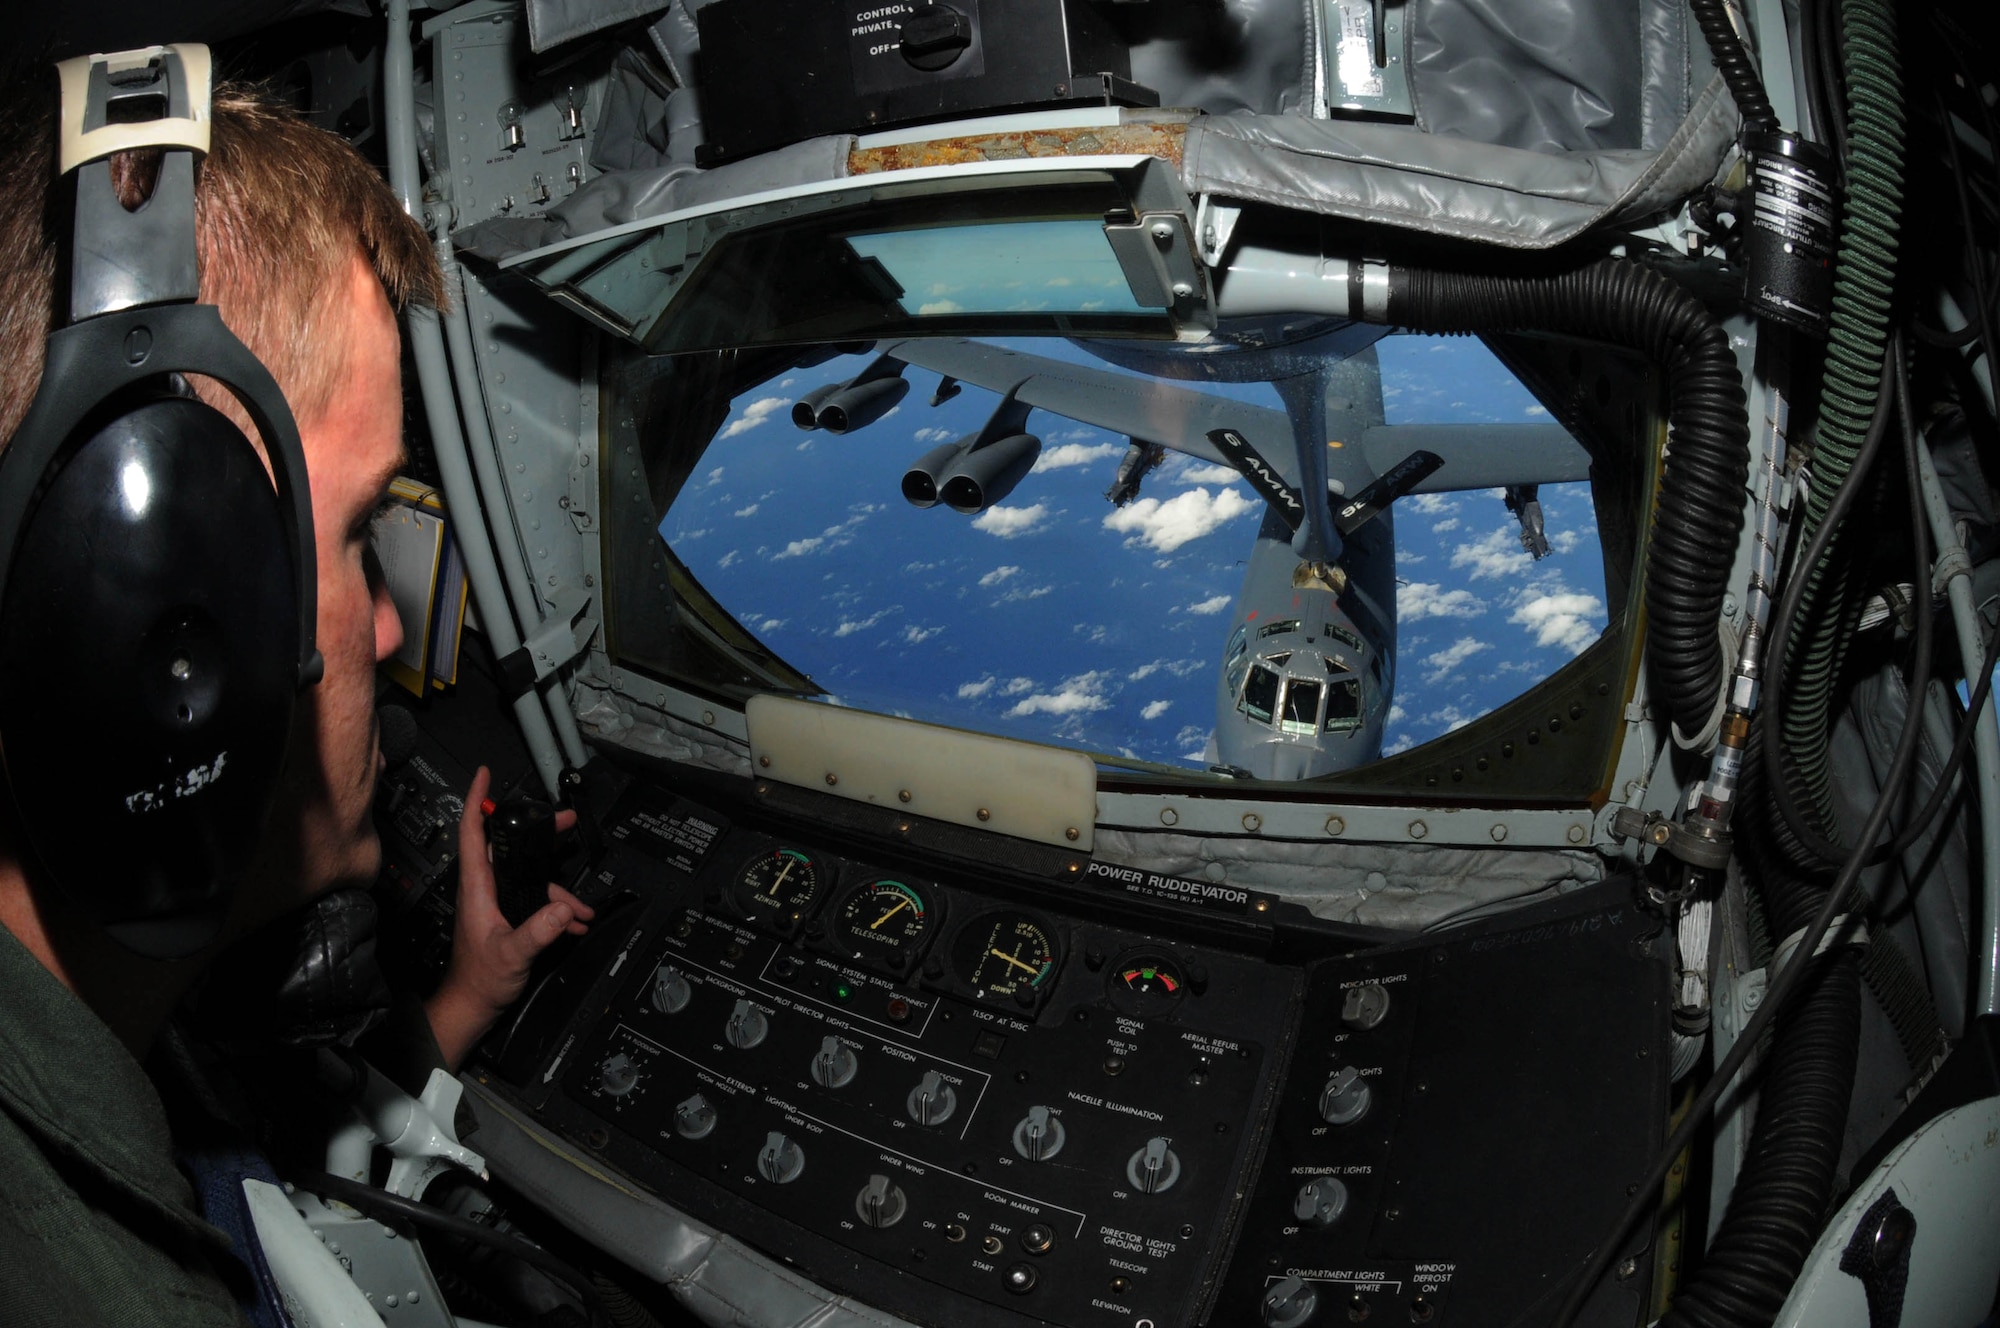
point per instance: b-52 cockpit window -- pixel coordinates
(1260, 694)
(1277, 628)
(1301, 712)
(1343, 706)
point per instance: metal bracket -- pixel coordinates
(564, 635)
(1156, 252)
(1696, 847)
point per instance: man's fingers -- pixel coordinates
(565, 820)
(561, 896)
(476, 891)
(539, 931)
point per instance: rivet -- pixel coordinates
(985, 815)
(902, 795)
(708, 718)
(1168, 816)
(764, 762)
(1499, 834)
(1418, 829)
(1072, 834)
(831, 778)
(1336, 826)
(1252, 822)
(1263, 906)
(1576, 834)
(1627, 1269)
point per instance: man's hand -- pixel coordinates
(489, 958)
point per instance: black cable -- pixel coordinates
(1734, 63)
(1979, 295)
(1768, 705)
(1777, 995)
(1783, 796)
(355, 1194)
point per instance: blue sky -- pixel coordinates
(1057, 618)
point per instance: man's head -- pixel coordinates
(306, 253)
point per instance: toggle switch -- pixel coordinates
(780, 1159)
(747, 1026)
(1154, 1168)
(835, 1064)
(881, 1202)
(1040, 1135)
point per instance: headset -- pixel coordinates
(157, 591)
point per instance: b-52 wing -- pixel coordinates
(1471, 456)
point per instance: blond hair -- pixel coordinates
(281, 208)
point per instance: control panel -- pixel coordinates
(972, 1096)
(1460, 1125)
(1050, 1118)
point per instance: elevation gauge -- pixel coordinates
(1006, 954)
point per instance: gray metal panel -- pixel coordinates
(1481, 456)
(719, 1279)
(1395, 175)
(1404, 886)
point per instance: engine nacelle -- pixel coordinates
(983, 476)
(805, 411)
(861, 404)
(925, 476)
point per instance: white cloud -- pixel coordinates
(1021, 594)
(972, 691)
(1444, 663)
(849, 626)
(932, 434)
(916, 635)
(1202, 472)
(753, 415)
(714, 477)
(1536, 410)
(1496, 555)
(1073, 454)
(1450, 523)
(1154, 709)
(798, 548)
(751, 510)
(1565, 619)
(1431, 504)
(1009, 522)
(770, 624)
(1402, 744)
(726, 560)
(1073, 696)
(1397, 714)
(1214, 604)
(1187, 516)
(939, 307)
(997, 575)
(1016, 686)
(1418, 600)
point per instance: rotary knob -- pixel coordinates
(747, 1026)
(780, 1160)
(1288, 1302)
(1364, 1006)
(1040, 1135)
(618, 1075)
(835, 1064)
(671, 992)
(694, 1118)
(1320, 1202)
(932, 1101)
(1345, 1098)
(881, 1202)
(1154, 1168)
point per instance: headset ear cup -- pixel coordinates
(147, 670)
